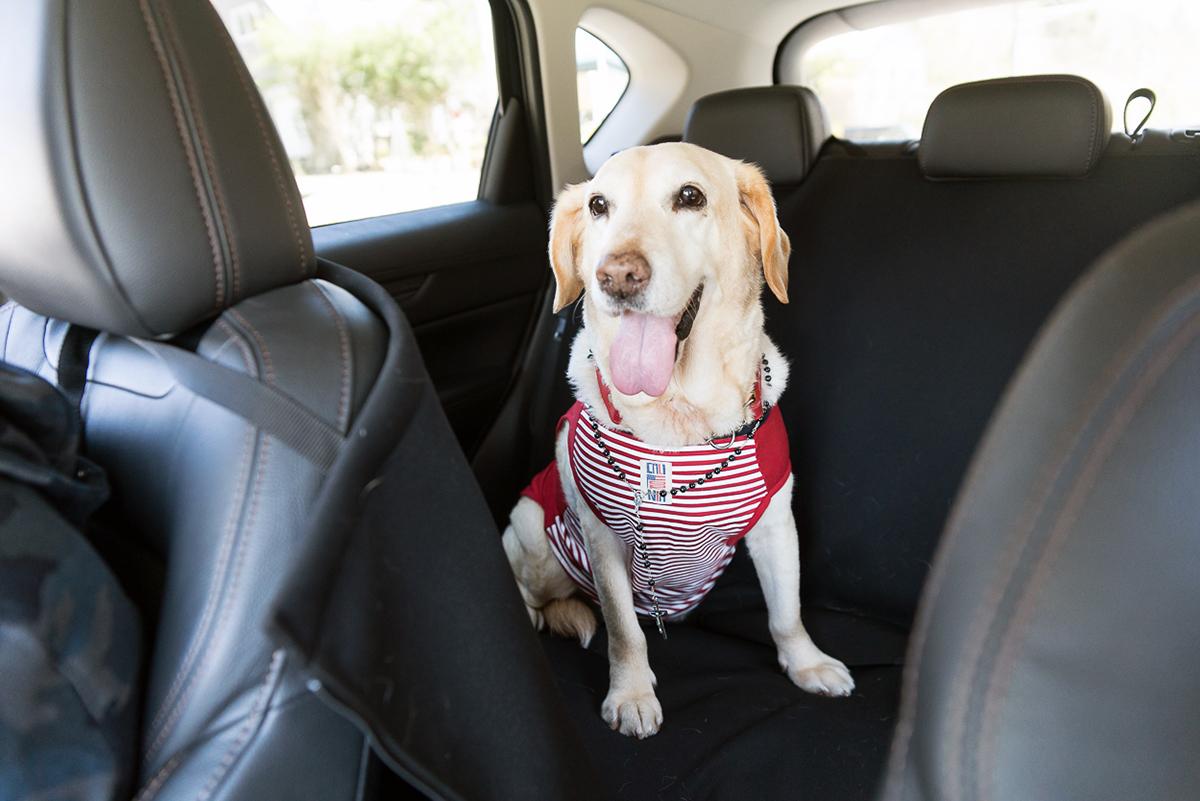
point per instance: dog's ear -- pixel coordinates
(774, 247)
(566, 226)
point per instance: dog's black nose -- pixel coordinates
(623, 275)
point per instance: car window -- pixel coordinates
(601, 78)
(382, 106)
(877, 83)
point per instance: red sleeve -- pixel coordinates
(774, 453)
(546, 490)
(546, 487)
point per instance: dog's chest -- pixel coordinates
(692, 503)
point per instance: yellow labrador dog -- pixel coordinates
(674, 450)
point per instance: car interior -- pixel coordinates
(994, 344)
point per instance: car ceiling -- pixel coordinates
(768, 21)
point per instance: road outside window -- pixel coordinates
(877, 84)
(383, 107)
(601, 78)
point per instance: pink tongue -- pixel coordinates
(643, 354)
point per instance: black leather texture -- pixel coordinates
(1053, 654)
(146, 189)
(779, 128)
(1038, 126)
(223, 508)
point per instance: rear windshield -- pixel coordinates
(877, 84)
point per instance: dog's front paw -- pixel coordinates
(825, 676)
(633, 713)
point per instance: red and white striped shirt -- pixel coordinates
(692, 536)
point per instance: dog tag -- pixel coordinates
(656, 482)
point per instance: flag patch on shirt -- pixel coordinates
(656, 482)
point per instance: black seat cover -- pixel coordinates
(1054, 652)
(913, 299)
(735, 726)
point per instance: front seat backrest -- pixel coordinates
(1055, 647)
(147, 195)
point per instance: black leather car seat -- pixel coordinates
(147, 195)
(1054, 652)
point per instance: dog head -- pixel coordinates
(660, 232)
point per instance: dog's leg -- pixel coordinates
(630, 706)
(775, 549)
(547, 590)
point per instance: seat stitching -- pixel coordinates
(254, 100)
(254, 717)
(240, 341)
(984, 617)
(10, 307)
(1098, 455)
(151, 789)
(258, 711)
(268, 369)
(212, 595)
(189, 153)
(235, 572)
(343, 412)
(207, 152)
(222, 607)
(897, 763)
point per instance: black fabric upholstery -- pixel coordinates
(145, 186)
(1038, 126)
(912, 303)
(1054, 650)
(735, 727)
(779, 128)
(406, 614)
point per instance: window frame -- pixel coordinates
(825, 24)
(516, 74)
(795, 44)
(624, 92)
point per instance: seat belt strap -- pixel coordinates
(262, 405)
(73, 359)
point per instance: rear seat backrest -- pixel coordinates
(913, 299)
(779, 128)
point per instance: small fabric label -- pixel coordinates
(656, 482)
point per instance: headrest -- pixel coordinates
(779, 128)
(1039, 126)
(144, 188)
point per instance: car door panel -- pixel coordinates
(470, 277)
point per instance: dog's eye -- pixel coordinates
(598, 206)
(690, 197)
